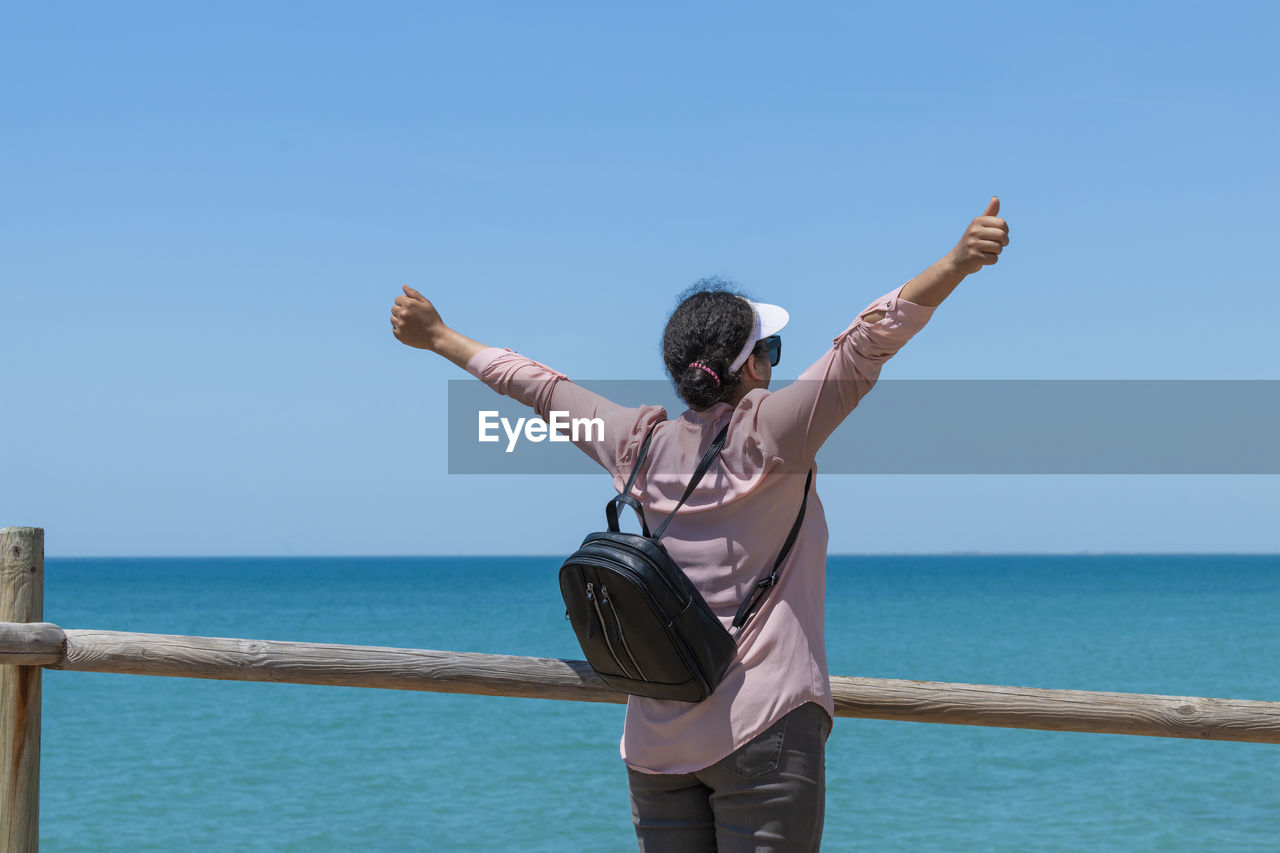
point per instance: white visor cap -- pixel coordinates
(769, 321)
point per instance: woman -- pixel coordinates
(744, 768)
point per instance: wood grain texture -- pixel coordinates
(21, 600)
(546, 678)
(30, 643)
(340, 665)
(1058, 710)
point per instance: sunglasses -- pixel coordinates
(773, 347)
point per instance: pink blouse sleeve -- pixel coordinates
(794, 421)
(546, 390)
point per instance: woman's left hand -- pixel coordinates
(983, 240)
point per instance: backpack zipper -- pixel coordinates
(689, 662)
(604, 596)
(604, 629)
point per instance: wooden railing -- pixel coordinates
(28, 646)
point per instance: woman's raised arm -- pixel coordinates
(415, 322)
(799, 417)
(983, 240)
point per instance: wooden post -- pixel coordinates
(21, 600)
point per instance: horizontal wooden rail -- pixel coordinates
(334, 665)
(547, 678)
(31, 643)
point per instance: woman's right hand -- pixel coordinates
(415, 321)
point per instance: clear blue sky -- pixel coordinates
(208, 208)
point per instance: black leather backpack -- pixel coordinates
(643, 626)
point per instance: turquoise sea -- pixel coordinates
(135, 763)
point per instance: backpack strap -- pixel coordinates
(756, 597)
(611, 508)
(717, 444)
(762, 587)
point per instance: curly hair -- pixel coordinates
(709, 326)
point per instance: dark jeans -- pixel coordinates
(767, 796)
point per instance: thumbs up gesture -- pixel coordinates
(983, 240)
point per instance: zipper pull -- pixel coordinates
(595, 609)
(604, 594)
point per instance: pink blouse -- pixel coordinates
(731, 529)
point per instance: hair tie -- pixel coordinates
(707, 370)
